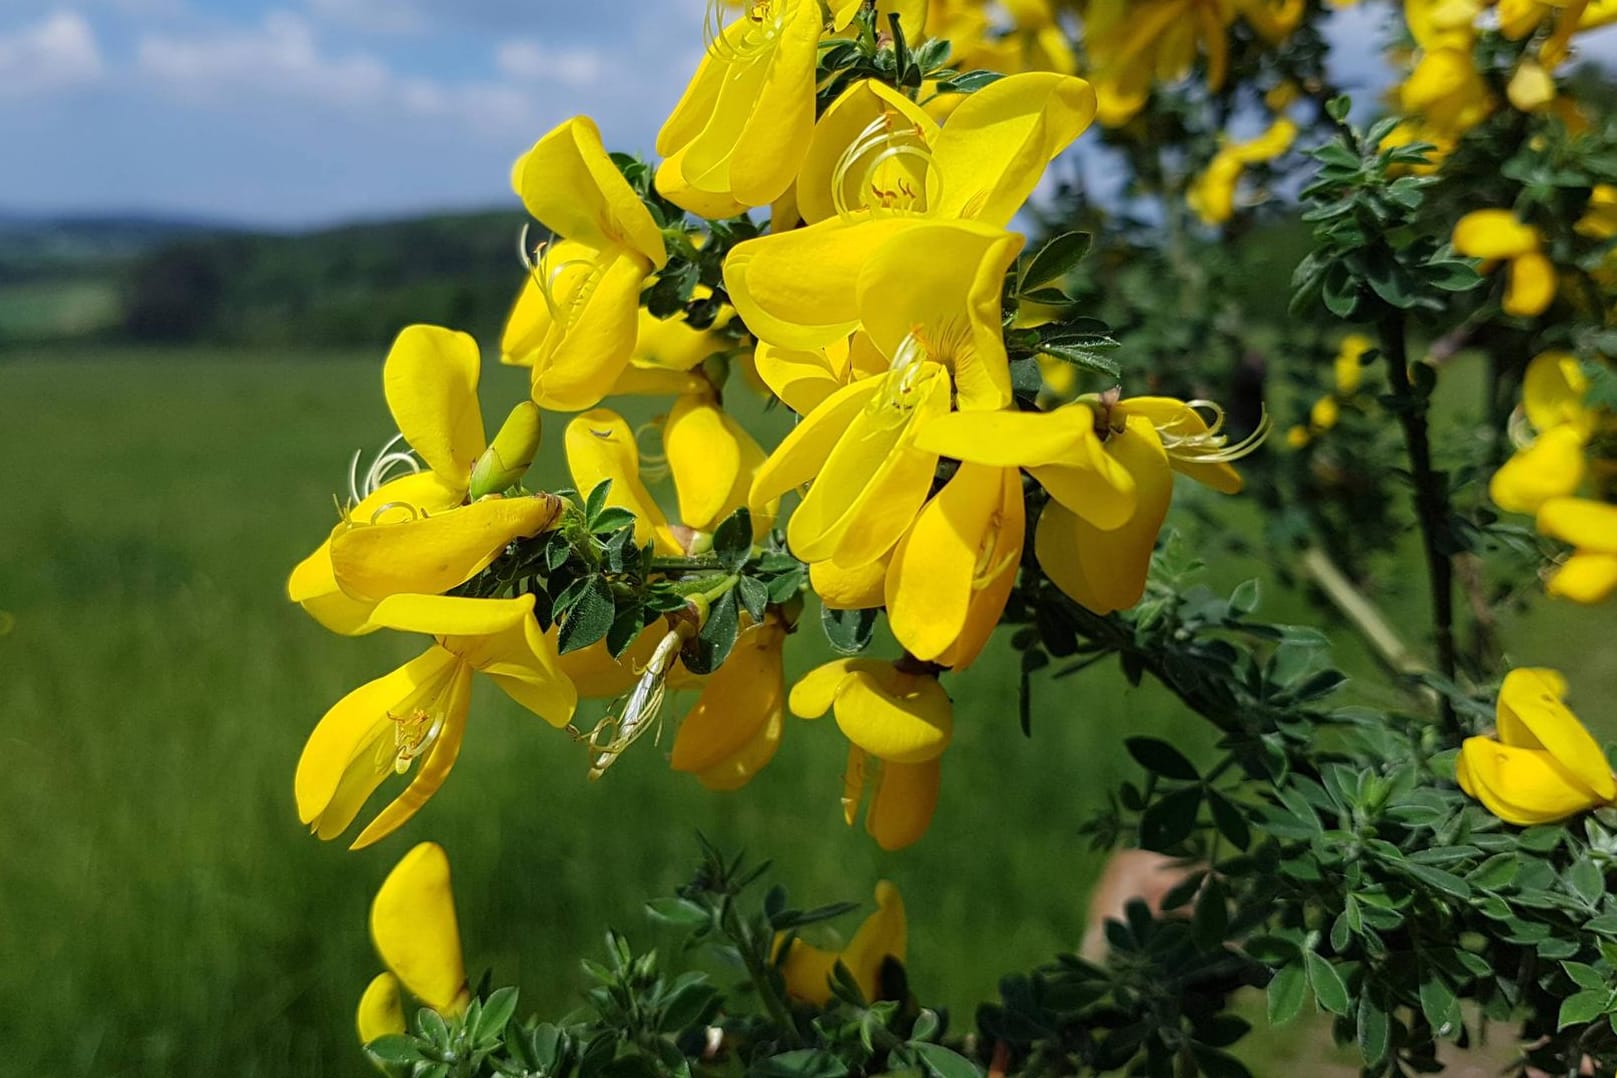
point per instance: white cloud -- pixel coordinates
(56, 53)
(530, 60)
(282, 58)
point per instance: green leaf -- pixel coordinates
(497, 1011)
(1082, 357)
(732, 541)
(688, 1006)
(754, 596)
(849, 631)
(1329, 991)
(707, 651)
(1161, 758)
(1447, 882)
(1244, 599)
(1584, 1007)
(677, 911)
(1055, 260)
(1216, 1064)
(803, 1063)
(1169, 821)
(395, 1050)
(1586, 880)
(1338, 107)
(943, 1063)
(588, 618)
(1286, 994)
(597, 500)
(1375, 1030)
(1584, 975)
(1440, 1006)
(1229, 819)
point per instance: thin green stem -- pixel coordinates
(695, 564)
(1431, 504)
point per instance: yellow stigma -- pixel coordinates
(761, 23)
(888, 170)
(414, 732)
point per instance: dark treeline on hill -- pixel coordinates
(354, 285)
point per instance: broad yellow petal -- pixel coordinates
(935, 567)
(1550, 467)
(1553, 389)
(738, 769)
(807, 972)
(817, 690)
(803, 378)
(901, 808)
(704, 454)
(676, 186)
(380, 1010)
(570, 185)
(740, 700)
(1521, 786)
(430, 380)
(1530, 286)
(876, 118)
(776, 135)
(802, 454)
(600, 446)
(905, 718)
(840, 587)
(994, 147)
(431, 554)
(1583, 522)
(415, 931)
(1532, 715)
(799, 289)
(594, 334)
(522, 661)
(446, 615)
(1584, 578)
(882, 935)
(999, 560)
(1494, 234)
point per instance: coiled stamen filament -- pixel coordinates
(763, 18)
(384, 468)
(414, 732)
(860, 170)
(545, 276)
(1210, 446)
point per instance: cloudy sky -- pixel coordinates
(299, 112)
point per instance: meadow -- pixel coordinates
(163, 913)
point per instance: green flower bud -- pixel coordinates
(506, 460)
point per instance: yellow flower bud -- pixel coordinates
(506, 460)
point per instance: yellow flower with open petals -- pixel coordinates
(414, 929)
(1542, 765)
(576, 318)
(879, 167)
(897, 718)
(738, 134)
(882, 937)
(1494, 235)
(430, 382)
(735, 727)
(1589, 575)
(1212, 194)
(1550, 465)
(419, 711)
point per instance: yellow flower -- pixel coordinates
(738, 134)
(1531, 88)
(1348, 367)
(714, 461)
(430, 382)
(930, 301)
(1132, 45)
(804, 378)
(575, 320)
(420, 709)
(1551, 465)
(882, 937)
(1108, 468)
(1298, 436)
(1543, 765)
(1499, 234)
(735, 727)
(953, 571)
(1589, 575)
(879, 167)
(1323, 415)
(898, 720)
(1444, 96)
(1212, 194)
(1599, 220)
(414, 929)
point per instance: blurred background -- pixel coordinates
(214, 216)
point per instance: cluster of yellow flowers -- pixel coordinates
(1347, 371)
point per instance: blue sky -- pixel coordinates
(299, 112)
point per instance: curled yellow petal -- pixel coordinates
(430, 381)
(740, 700)
(1553, 389)
(600, 446)
(896, 716)
(380, 1010)
(901, 808)
(1521, 786)
(1530, 287)
(1550, 467)
(1532, 714)
(841, 587)
(1584, 578)
(414, 928)
(1583, 522)
(570, 185)
(1494, 234)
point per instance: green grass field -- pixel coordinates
(163, 913)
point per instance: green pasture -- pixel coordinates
(163, 913)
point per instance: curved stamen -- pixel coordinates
(382, 510)
(389, 464)
(653, 464)
(861, 170)
(734, 44)
(1209, 446)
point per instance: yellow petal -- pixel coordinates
(935, 567)
(431, 554)
(1521, 786)
(895, 716)
(1531, 87)
(1553, 389)
(1105, 570)
(999, 560)
(1584, 578)
(380, 1012)
(414, 928)
(1494, 234)
(994, 147)
(570, 185)
(593, 337)
(1177, 423)
(801, 378)
(817, 690)
(1583, 522)
(1530, 288)
(445, 615)
(882, 935)
(874, 481)
(345, 738)
(902, 806)
(740, 700)
(686, 191)
(596, 675)
(933, 292)
(807, 973)
(600, 446)
(695, 107)
(430, 380)
(771, 145)
(801, 455)
(737, 770)
(1550, 467)
(800, 289)
(522, 661)
(841, 587)
(1532, 715)
(432, 771)
(704, 455)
